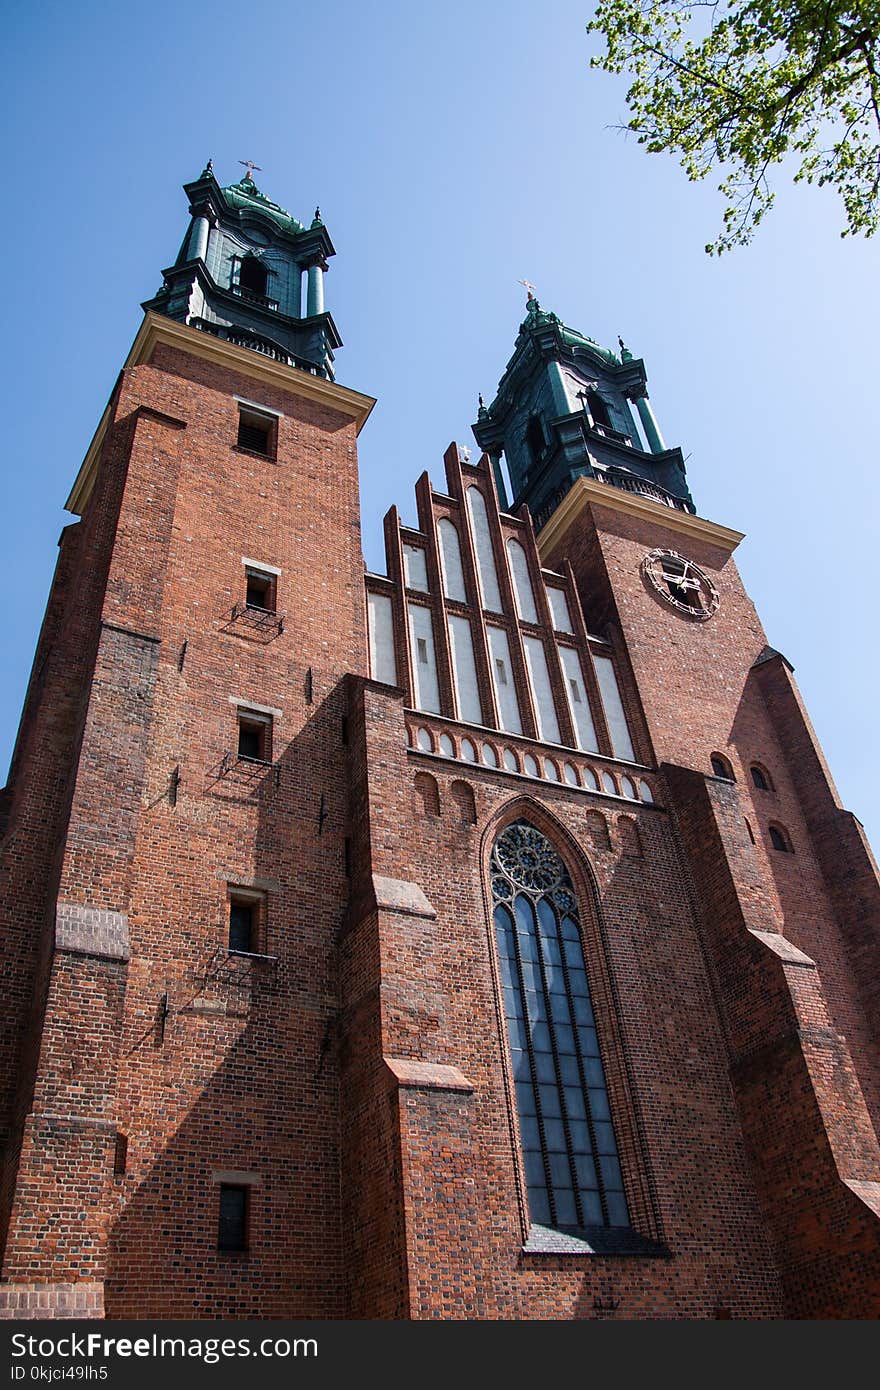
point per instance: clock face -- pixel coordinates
(681, 583)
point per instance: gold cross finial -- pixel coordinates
(250, 166)
(529, 286)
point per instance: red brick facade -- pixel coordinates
(351, 1071)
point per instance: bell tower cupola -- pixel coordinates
(568, 408)
(249, 272)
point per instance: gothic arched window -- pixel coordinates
(779, 839)
(572, 1171)
(722, 768)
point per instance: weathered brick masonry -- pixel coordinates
(151, 1029)
(351, 1067)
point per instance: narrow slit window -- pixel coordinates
(232, 1229)
(120, 1155)
(422, 646)
(502, 671)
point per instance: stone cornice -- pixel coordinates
(156, 329)
(585, 492)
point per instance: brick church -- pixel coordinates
(481, 939)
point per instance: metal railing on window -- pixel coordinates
(633, 482)
(256, 342)
(254, 297)
(249, 620)
(237, 767)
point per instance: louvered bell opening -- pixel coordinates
(253, 436)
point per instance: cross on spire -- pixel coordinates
(249, 167)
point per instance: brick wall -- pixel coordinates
(427, 960)
(352, 1073)
(704, 687)
(206, 1062)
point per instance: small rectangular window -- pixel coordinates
(575, 692)
(502, 671)
(423, 650)
(241, 925)
(254, 736)
(246, 920)
(256, 431)
(260, 590)
(232, 1228)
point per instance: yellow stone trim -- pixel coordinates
(586, 492)
(157, 329)
(85, 478)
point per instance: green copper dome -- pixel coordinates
(565, 408)
(246, 195)
(536, 317)
(241, 271)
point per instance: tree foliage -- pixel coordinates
(741, 85)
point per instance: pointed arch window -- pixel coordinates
(572, 1172)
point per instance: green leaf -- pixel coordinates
(743, 85)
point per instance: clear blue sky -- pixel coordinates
(453, 148)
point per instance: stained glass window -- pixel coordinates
(572, 1171)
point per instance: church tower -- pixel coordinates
(240, 272)
(176, 864)
(567, 408)
(480, 939)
